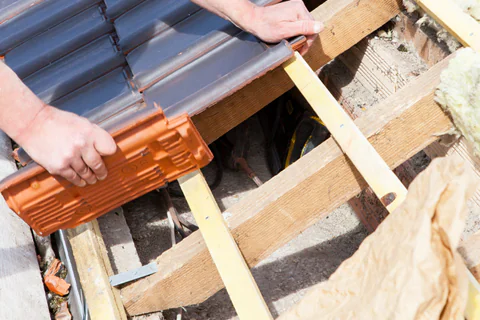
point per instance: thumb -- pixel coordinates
(104, 143)
(305, 27)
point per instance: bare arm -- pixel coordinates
(272, 23)
(62, 142)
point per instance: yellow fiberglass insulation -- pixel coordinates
(459, 94)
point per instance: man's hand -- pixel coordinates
(282, 21)
(272, 23)
(67, 145)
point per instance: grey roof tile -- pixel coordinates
(11, 8)
(114, 8)
(216, 75)
(58, 41)
(37, 19)
(101, 98)
(149, 19)
(176, 47)
(75, 70)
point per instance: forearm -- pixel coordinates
(18, 104)
(237, 11)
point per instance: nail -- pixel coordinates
(318, 27)
(82, 183)
(102, 177)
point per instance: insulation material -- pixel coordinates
(409, 268)
(459, 94)
(471, 7)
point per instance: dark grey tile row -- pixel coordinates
(58, 41)
(12, 8)
(75, 70)
(150, 18)
(216, 75)
(115, 8)
(40, 17)
(102, 98)
(182, 58)
(178, 46)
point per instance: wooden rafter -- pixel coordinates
(283, 207)
(347, 22)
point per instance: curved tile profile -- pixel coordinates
(58, 41)
(149, 19)
(12, 8)
(37, 19)
(74, 70)
(102, 98)
(114, 8)
(216, 75)
(178, 46)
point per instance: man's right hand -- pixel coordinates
(67, 145)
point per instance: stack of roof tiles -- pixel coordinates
(115, 60)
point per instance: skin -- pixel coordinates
(70, 146)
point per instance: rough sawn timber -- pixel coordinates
(295, 199)
(346, 23)
(94, 270)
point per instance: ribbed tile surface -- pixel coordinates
(11, 8)
(101, 98)
(114, 8)
(215, 75)
(74, 70)
(151, 18)
(176, 47)
(58, 41)
(37, 19)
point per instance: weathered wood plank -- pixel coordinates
(295, 199)
(346, 23)
(94, 269)
(368, 162)
(234, 271)
(21, 289)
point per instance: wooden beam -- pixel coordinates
(21, 289)
(368, 162)
(346, 23)
(94, 269)
(458, 23)
(378, 73)
(295, 199)
(228, 259)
